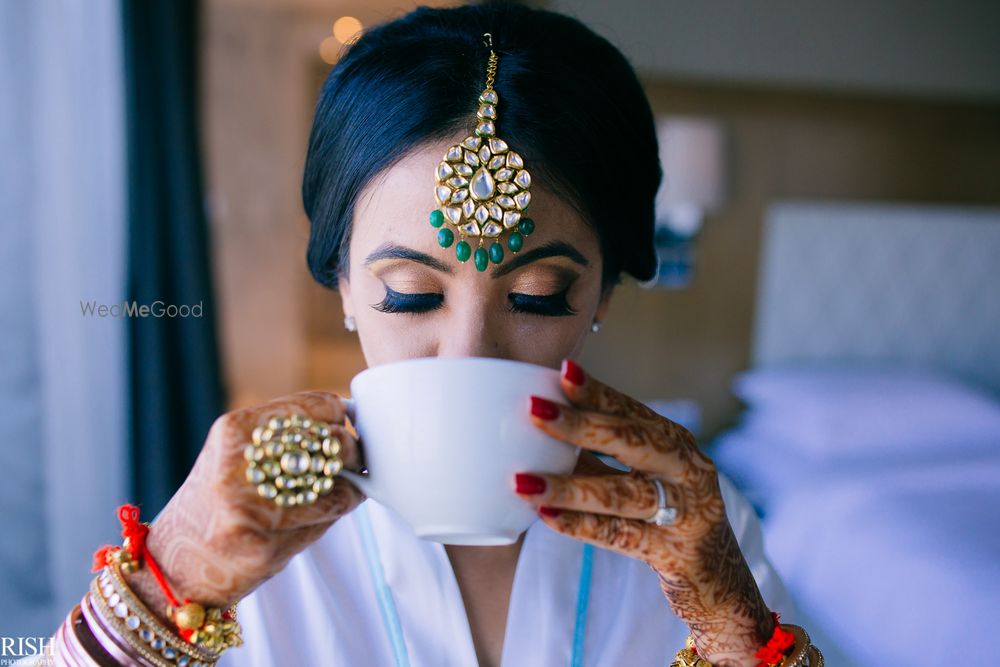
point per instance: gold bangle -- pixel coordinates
(799, 648)
(815, 657)
(687, 657)
(803, 652)
(149, 629)
(161, 653)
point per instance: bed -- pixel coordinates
(870, 439)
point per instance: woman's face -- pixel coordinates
(411, 298)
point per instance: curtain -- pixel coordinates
(62, 391)
(174, 378)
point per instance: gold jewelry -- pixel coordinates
(803, 653)
(293, 460)
(132, 620)
(687, 657)
(482, 187)
(210, 629)
(796, 657)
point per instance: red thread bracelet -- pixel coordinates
(773, 652)
(135, 533)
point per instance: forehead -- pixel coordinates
(397, 203)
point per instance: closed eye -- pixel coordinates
(551, 305)
(401, 302)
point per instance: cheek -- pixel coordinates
(387, 337)
(546, 341)
(383, 342)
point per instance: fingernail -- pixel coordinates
(530, 484)
(548, 511)
(544, 408)
(573, 373)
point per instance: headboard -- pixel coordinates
(905, 283)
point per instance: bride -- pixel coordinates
(431, 137)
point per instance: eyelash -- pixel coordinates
(550, 305)
(398, 302)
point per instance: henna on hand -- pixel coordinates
(702, 572)
(217, 539)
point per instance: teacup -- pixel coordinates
(442, 438)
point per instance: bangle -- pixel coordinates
(688, 656)
(795, 654)
(74, 645)
(211, 630)
(113, 643)
(777, 647)
(69, 646)
(789, 646)
(125, 617)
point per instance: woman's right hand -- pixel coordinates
(217, 539)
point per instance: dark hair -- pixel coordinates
(569, 100)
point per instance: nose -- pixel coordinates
(470, 332)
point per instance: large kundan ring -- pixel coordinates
(293, 460)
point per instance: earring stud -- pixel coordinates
(350, 324)
(595, 327)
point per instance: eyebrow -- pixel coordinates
(395, 251)
(390, 250)
(550, 249)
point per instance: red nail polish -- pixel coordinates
(548, 511)
(574, 373)
(544, 408)
(531, 484)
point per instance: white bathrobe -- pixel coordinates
(323, 609)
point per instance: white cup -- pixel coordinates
(443, 437)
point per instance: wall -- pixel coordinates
(944, 48)
(784, 144)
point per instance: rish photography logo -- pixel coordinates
(134, 309)
(13, 649)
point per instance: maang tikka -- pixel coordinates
(482, 187)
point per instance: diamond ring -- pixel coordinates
(664, 516)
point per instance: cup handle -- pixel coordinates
(351, 406)
(360, 481)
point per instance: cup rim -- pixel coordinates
(419, 361)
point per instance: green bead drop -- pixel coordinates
(527, 226)
(437, 218)
(496, 253)
(481, 259)
(515, 242)
(463, 251)
(445, 237)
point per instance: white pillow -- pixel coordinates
(865, 411)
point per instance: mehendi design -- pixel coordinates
(217, 540)
(702, 572)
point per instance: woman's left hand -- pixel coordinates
(703, 573)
